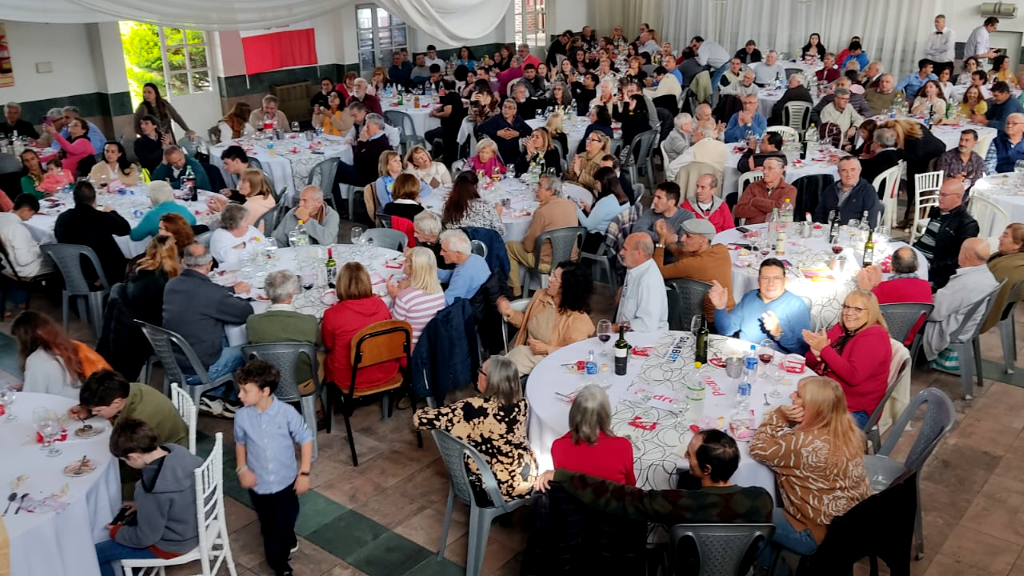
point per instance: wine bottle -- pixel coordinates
(332, 268)
(701, 355)
(621, 352)
(869, 248)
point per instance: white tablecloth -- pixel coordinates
(132, 206)
(950, 134)
(1001, 189)
(421, 117)
(766, 99)
(658, 452)
(812, 253)
(731, 175)
(309, 263)
(47, 542)
(293, 159)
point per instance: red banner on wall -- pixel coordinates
(279, 47)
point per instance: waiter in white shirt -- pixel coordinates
(643, 304)
(978, 44)
(939, 46)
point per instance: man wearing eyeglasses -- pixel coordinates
(769, 312)
(1008, 147)
(949, 225)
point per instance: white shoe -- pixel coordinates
(294, 548)
(214, 407)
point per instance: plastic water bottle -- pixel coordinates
(786, 216)
(811, 138)
(747, 379)
(270, 148)
(773, 226)
(591, 367)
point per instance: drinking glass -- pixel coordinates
(604, 334)
(356, 236)
(777, 374)
(295, 127)
(766, 353)
(7, 398)
(50, 429)
(695, 324)
(271, 248)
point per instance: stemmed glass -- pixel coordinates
(356, 235)
(604, 334)
(7, 398)
(766, 353)
(777, 375)
(48, 427)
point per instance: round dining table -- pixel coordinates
(292, 158)
(1006, 191)
(811, 273)
(649, 403)
(55, 519)
(421, 118)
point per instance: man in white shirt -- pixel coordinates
(770, 70)
(646, 44)
(978, 45)
(432, 58)
(939, 46)
(21, 256)
(712, 55)
(643, 304)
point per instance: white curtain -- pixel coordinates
(607, 14)
(452, 21)
(893, 32)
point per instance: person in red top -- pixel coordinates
(589, 447)
(708, 206)
(856, 353)
(358, 307)
(904, 286)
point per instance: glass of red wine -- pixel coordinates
(604, 334)
(766, 353)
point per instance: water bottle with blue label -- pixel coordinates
(746, 381)
(591, 367)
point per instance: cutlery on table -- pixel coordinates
(10, 499)
(766, 403)
(21, 502)
(81, 464)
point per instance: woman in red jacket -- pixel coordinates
(79, 150)
(589, 446)
(358, 307)
(856, 353)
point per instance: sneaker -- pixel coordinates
(295, 548)
(229, 409)
(212, 406)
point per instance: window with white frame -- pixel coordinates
(531, 22)
(380, 34)
(186, 61)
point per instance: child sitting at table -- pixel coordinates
(56, 178)
(162, 522)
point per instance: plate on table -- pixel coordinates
(89, 431)
(78, 468)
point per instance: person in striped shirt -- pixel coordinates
(418, 297)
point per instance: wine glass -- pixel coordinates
(777, 374)
(604, 334)
(695, 323)
(50, 429)
(764, 246)
(356, 235)
(7, 398)
(766, 353)
(295, 127)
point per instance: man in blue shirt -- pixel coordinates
(914, 81)
(96, 137)
(768, 312)
(1000, 108)
(470, 271)
(856, 53)
(400, 70)
(746, 119)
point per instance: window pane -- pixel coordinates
(176, 58)
(195, 36)
(201, 81)
(398, 36)
(364, 18)
(518, 6)
(366, 61)
(178, 84)
(173, 36)
(383, 18)
(366, 39)
(385, 57)
(197, 56)
(384, 38)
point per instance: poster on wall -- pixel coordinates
(279, 47)
(6, 69)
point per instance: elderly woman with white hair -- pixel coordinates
(589, 447)
(679, 139)
(426, 228)
(281, 322)
(233, 236)
(418, 297)
(162, 196)
(487, 162)
(605, 95)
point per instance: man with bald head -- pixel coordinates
(972, 281)
(1008, 147)
(851, 195)
(643, 304)
(905, 284)
(949, 226)
(881, 97)
(856, 100)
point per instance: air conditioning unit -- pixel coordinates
(999, 9)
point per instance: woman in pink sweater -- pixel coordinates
(856, 353)
(77, 149)
(486, 161)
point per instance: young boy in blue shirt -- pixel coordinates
(266, 431)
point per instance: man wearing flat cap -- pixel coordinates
(696, 257)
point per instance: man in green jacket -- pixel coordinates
(174, 167)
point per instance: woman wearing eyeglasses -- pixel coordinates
(856, 353)
(581, 169)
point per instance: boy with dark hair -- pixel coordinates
(713, 457)
(164, 500)
(266, 431)
(109, 395)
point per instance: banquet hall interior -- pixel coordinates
(363, 182)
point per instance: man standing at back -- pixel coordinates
(939, 47)
(978, 43)
(949, 225)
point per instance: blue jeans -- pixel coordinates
(230, 360)
(110, 551)
(717, 75)
(861, 417)
(786, 536)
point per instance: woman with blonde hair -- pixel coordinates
(417, 297)
(583, 166)
(539, 151)
(235, 123)
(817, 453)
(920, 147)
(419, 163)
(495, 424)
(405, 198)
(556, 126)
(161, 195)
(856, 353)
(378, 80)
(145, 285)
(259, 197)
(589, 447)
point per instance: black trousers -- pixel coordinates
(277, 514)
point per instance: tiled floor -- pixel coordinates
(384, 517)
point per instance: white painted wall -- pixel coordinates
(68, 47)
(570, 15)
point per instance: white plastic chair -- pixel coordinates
(992, 219)
(214, 548)
(796, 115)
(927, 186)
(888, 186)
(745, 179)
(786, 131)
(187, 410)
(981, 149)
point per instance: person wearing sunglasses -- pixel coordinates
(855, 352)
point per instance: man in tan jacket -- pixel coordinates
(696, 257)
(553, 212)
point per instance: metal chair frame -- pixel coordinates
(163, 342)
(968, 346)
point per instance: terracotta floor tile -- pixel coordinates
(237, 515)
(944, 565)
(425, 528)
(343, 569)
(496, 555)
(999, 509)
(977, 432)
(350, 490)
(1012, 465)
(994, 556)
(310, 560)
(390, 508)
